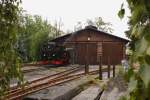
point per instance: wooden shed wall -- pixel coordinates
(109, 47)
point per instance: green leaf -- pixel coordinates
(140, 30)
(121, 13)
(148, 51)
(132, 84)
(147, 33)
(141, 46)
(147, 5)
(147, 59)
(134, 31)
(137, 13)
(145, 74)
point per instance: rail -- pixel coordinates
(57, 75)
(18, 94)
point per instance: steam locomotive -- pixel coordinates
(54, 55)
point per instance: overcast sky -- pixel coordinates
(72, 11)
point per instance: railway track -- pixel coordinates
(31, 70)
(17, 93)
(57, 75)
(37, 67)
(50, 78)
(48, 84)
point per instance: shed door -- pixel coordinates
(86, 53)
(80, 53)
(113, 52)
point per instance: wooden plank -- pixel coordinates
(91, 93)
(114, 94)
(92, 53)
(114, 51)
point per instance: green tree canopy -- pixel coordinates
(139, 33)
(33, 32)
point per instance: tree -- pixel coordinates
(139, 33)
(33, 33)
(101, 25)
(9, 61)
(57, 28)
(78, 26)
(98, 22)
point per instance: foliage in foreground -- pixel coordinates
(9, 61)
(21, 37)
(139, 49)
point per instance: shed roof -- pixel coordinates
(92, 28)
(62, 38)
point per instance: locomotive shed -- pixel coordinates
(87, 45)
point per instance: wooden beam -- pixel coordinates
(114, 70)
(100, 68)
(108, 67)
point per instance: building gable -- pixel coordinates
(94, 36)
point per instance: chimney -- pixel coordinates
(91, 27)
